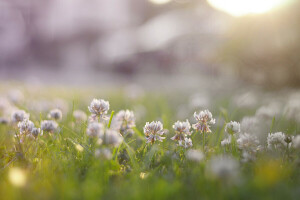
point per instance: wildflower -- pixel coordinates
(25, 126)
(154, 131)
(296, 142)
(35, 132)
(103, 153)
(181, 130)
(204, 119)
(49, 126)
(250, 125)
(95, 129)
(112, 137)
(124, 122)
(223, 167)
(268, 112)
(99, 107)
(226, 141)
(233, 127)
(248, 156)
(194, 155)
(186, 143)
(79, 116)
(55, 114)
(277, 140)
(19, 115)
(248, 142)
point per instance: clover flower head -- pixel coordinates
(35, 132)
(49, 126)
(194, 155)
(19, 115)
(223, 167)
(112, 137)
(99, 107)
(277, 141)
(186, 143)
(55, 114)
(296, 142)
(79, 116)
(153, 131)
(124, 122)
(226, 141)
(103, 153)
(233, 127)
(25, 126)
(204, 120)
(95, 129)
(248, 142)
(181, 130)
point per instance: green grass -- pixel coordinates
(56, 169)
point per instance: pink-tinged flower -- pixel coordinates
(19, 115)
(124, 121)
(55, 114)
(204, 120)
(186, 143)
(25, 127)
(154, 131)
(99, 107)
(182, 129)
(49, 126)
(95, 129)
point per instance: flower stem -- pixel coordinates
(111, 116)
(203, 135)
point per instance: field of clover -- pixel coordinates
(138, 145)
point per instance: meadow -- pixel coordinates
(91, 144)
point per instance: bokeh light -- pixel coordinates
(245, 7)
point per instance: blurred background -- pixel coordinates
(160, 42)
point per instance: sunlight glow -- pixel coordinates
(160, 1)
(245, 7)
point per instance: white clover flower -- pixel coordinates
(226, 141)
(223, 167)
(249, 125)
(248, 142)
(277, 140)
(79, 116)
(292, 108)
(104, 153)
(49, 126)
(182, 129)
(95, 129)
(248, 156)
(124, 121)
(154, 131)
(296, 142)
(245, 100)
(112, 137)
(35, 132)
(194, 155)
(268, 112)
(233, 127)
(186, 143)
(19, 115)
(55, 114)
(25, 126)
(99, 107)
(204, 119)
